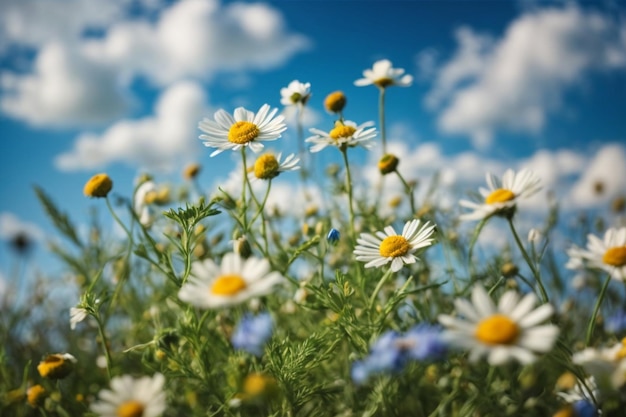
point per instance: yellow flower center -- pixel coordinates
(243, 132)
(266, 167)
(295, 97)
(228, 285)
(130, 409)
(615, 256)
(257, 383)
(383, 82)
(500, 196)
(342, 131)
(35, 395)
(621, 354)
(393, 246)
(497, 330)
(387, 164)
(566, 411)
(53, 366)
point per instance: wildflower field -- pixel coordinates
(214, 304)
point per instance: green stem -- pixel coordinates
(533, 269)
(117, 219)
(381, 115)
(107, 353)
(596, 310)
(380, 284)
(409, 191)
(344, 153)
(243, 189)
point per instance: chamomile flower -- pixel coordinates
(608, 254)
(243, 128)
(142, 205)
(77, 314)
(502, 195)
(383, 75)
(296, 93)
(268, 166)
(129, 397)
(233, 282)
(56, 366)
(388, 246)
(346, 134)
(509, 331)
(606, 364)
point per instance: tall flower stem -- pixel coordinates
(380, 284)
(261, 212)
(381, 116)
(118, 221)
(409, 191)
(596, 310)
(105, 343)
(531, 265)
(244, 183)
(344, 153)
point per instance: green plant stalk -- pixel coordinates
(380, 284)
(344, 153)
(107, 353)
(409, 191)
(261, 212)
(596, 310)
(381, 115)
(117, 219)
(534, 270)
(243, 189)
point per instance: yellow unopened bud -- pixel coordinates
(35, 395)
(98, 186)
(388, 164)
(191, 171)
(335, 102)
(509, 269)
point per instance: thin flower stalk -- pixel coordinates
(531, 265)
(596, 310)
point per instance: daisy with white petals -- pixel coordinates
(243, 128)
(502, 195)
(608, 253)
(606, 364)
(388, 246)
(130, 397)
(296, 93)
(233, 282)
(268, 166)
(383, 75)
(343, 135)
(510, 330)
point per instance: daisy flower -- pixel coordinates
(268, 166)
(56, 366)
(501, 196)
(388, 246)
(383, 75)
(606, 364)
(77, 314)
(141, 205)
(509, 331)
(296, 93)
(132, 397)
(346, 134)
(608, 254)
(233, 282)
(243, 128)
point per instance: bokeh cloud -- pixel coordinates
(513, 83)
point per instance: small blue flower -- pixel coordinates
(391, 352)
(252, 333)
(616, 323)
(585, 408)
(333, 236)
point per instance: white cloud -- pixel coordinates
(65, 88)
(608, 168)
(11, 225)
(198, 38)
(37, 22)
(159, 142)
(514, 83)
(78, 81)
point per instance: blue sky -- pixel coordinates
(120, 86)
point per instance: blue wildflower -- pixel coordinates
(585, 408)
(252, 333)
(333, 236)
(391, 352)
(616, 323)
